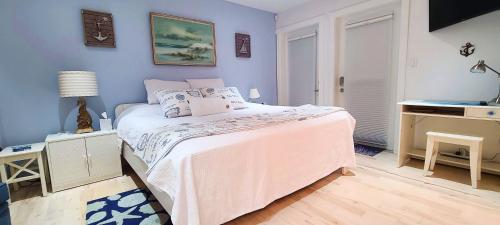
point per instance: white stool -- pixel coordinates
(476, 152)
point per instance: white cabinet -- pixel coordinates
(78, 159)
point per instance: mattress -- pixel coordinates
(215, 179)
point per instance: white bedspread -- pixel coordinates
(215, 179)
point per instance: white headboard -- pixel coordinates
(122, 107)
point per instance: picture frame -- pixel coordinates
(98, 30)
(242, 43)
(182, 41)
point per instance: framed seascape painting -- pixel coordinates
(182, 41)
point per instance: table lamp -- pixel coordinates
(254, 95)
(79, 84)
(481, 67)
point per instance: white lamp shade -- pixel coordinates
(77, 84)
(254, 93)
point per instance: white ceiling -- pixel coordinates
(274, 6)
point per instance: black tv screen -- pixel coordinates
(443, 13)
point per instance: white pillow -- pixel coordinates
(209, 106)
(206, 83)
(176, 103)
(154, 85)
(229, 93)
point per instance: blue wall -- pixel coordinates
(40, 38)
(1, 135)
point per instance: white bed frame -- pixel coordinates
(140, 167)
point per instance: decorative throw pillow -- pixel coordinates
(154, 85)
(228, 93)
(176, 103)
(206, 83)
(209, 106)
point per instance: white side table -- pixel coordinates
(8, 156)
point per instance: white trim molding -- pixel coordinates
(329, 45)
(328, 70)
(324, 68)
(282, 68)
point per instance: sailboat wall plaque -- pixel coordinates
(242, 44)
(98, 29)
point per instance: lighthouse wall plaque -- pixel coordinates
(243, 47)
(98, 29)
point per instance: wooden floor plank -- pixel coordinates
(366, 196)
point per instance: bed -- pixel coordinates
(215, 179)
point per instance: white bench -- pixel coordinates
(476, 151)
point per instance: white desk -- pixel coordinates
(411, 110)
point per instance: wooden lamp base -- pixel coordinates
(84, 119)
(83, 131)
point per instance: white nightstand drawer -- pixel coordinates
(489, 112)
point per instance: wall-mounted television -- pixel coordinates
(443, 13)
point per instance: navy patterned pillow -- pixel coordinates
(176, 103)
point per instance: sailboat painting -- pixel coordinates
(182, 41)
(243, 47)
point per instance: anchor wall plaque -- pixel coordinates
(98, 29)
(467, 49)
(243, 47)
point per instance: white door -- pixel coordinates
(302, 56)
(367, 78)
(104, 157)
(68, 163)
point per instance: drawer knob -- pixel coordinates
(491, 113)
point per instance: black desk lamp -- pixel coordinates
(480, 67)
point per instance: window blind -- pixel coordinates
(368, 65)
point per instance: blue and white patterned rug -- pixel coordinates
(367, 150)
(135, 207)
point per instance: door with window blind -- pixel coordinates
(367, 78)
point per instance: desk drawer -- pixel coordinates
(490, 113)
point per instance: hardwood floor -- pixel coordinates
(364, 196)
(373, 197)
(65, 207)
(448, 177)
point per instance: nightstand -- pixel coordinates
(78, 159)
(8, 157)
